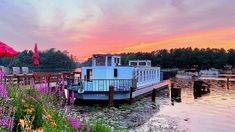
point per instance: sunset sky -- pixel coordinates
(85, 27)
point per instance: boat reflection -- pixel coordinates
(175, 95)
(200, 88)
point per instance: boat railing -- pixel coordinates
(102, 85)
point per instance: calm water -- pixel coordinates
(213, 112)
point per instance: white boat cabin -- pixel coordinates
(209, 73)
(106, 70)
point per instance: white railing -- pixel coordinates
(146, 75)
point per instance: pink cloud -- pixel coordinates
(107, 26)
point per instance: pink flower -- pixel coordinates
(74, 123)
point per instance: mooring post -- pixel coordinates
(172, 85)
(132, 100)
(153, 94)
(111, 93)
(227, 82)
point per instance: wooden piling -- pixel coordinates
(111, 93)
(132, 100)
(172, 85)
(227, 82)
(154, 95)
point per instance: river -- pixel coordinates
(212, 112)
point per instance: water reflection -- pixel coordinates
(213, 111)
(175, 95)
(200, 88)
(209, 109)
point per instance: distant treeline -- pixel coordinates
(50, 60)
(183, 58)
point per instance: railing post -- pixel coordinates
(111, 93)
(18, 81)
(154, 95)
(48, 81)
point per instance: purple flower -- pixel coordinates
(70, 119)
(43, 89)
(10, 111)
(88, 128)
(56, 88)
(72, 98)
(3, 110)
(4, 121)
(3, 91)
(66, 109)
(84, 118)
(1, 75)
(63, 84)
(74, 123)
(11, 124)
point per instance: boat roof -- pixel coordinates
(97, 55)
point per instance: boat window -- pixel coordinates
(142, 63)
(141, 76)
(133, 63)
(100, 61)
(115, 72)
(89, 74)
(118, 60)
(109, 61)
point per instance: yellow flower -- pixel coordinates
(22, 123)
(30, 111)
(53, 124)
(49, 117)
(23, 101)
(33, 109)
(28, 130)
(39, 130)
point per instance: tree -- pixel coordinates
(50, 60)
(185, 58)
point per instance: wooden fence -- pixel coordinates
(38, 78)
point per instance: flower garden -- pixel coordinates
(41, 108)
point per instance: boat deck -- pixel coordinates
(148, 89)
(120, 95)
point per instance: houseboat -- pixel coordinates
(187, 74)
(212, 72)
(106, 71)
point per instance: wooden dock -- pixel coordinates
(149, 89)
(52, 79)
(217, 78)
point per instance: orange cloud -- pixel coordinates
(218, 38)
